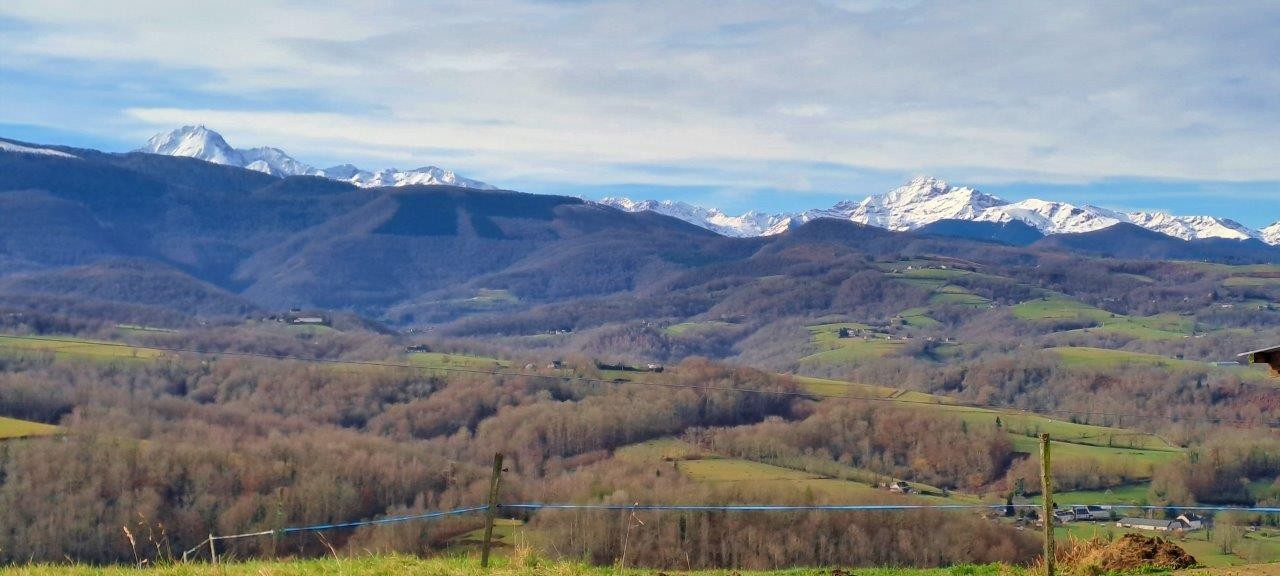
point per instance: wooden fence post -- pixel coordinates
(491, 511)
(1046, 480)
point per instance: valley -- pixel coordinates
(259, 361)
(610, 288)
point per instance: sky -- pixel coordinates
(778, 106)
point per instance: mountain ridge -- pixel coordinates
(926, 200)
(204, 144)
(185, 235)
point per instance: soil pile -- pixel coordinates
(1133, 552)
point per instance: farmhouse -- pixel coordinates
(1191, 521)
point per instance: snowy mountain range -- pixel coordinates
(918, 203)
(924, 200)
(205, 144)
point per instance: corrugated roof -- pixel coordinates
(1147, 522)
(1252, 352)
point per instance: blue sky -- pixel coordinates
(767, 105)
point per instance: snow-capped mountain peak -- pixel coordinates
(194, 142)
(1192, 227)
(925, 200)
(275, 162)
(748, 224)
(921, 201)
(205, 144)
(1052, 217)
(1270, 234)
(6, 146)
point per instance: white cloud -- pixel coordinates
(578, 90)
(804, 110)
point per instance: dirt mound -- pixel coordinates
(1132, 552)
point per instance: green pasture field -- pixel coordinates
(856, 348)
(917, 318)
(1082, 356)
(1146, 458)
(448, 360)
(1251, 281)
(952, 294)
(829, 387)
(1070, 439)
(765, 478)
(853, 350)
(658, 450)
(134, 328)
(63, 347)
(309, 328)
(1157, 327)
(1253, 549)
(1135, 494)
(1058, 308)
(694, 328)
(844, 484)
(1165, 326)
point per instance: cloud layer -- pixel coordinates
(677, 92)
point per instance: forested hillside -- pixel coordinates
(188, 349)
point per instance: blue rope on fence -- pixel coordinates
(862, 507)
(759, 508)
(716, 508)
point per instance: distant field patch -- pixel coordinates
(1082, 356)
(767, 478)
(1250, 281)
(932, 273)
(863, 343)
(658, 450)
(828, 387)
(1131, 494)
(134, 328)
(917, 318)
(309, 328)
(76, 348)
(447, 360)
(695, 328)
(1024, 427)
(952, 294)
(14, 428)
(856, 350)
(1137, 277)
(1058, 308)
(1055, 308)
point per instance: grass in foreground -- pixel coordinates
(395, 565)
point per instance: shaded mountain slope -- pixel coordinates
(219, 239)
(1131, 241)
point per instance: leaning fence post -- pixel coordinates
(1046, 479)
(491, 510)
(213, 550)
